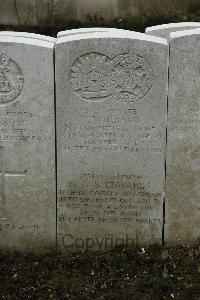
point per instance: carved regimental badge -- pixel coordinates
(11, 80)
(127, 77)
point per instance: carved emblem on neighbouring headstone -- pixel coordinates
(127, 77)
(11, 80)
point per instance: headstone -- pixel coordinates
(165, 29)
(27, 145)
(183, 150)
(111, 133)
(28, 35)
(87, 30)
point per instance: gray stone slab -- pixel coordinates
(183, 150)
(165, 29)
(28, 35)
(87, 31)
(27, 145)
(111, 133)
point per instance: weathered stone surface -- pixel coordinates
(111, 124)
(165, 29)
(183, 150)
(27, 145)
(28, 35)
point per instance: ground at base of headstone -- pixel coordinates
(122, 273)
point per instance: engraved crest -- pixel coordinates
(11, 80)
(127, 77)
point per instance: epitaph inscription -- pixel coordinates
(11, 80)
(127, 77)
(119, 198)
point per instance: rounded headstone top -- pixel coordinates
(172, 25)
(120, 34)
(26, 41)
(28, 35)
(83, 30)
(165, 30)
(184, 33)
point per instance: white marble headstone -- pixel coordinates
(165, 29)
(183, 146)
(27, 145)
(111, 134)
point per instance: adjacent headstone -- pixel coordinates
(86, 30)
(183, 147)
(111, 135)
(28, 35)
(165, 29)
(27, 145)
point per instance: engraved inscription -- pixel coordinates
(11, 80)
(108, 129)
(3, 175)
(17, 126)
(127, 77)
(4, 226)
(119, 198)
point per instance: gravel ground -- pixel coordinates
(133, 274)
